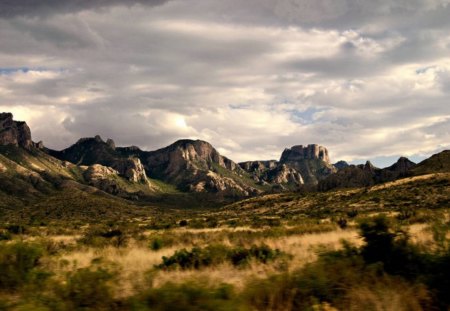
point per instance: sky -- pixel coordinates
(368, 79)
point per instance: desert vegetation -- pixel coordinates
(342, 250)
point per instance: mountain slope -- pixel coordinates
(366, 175)
(437, 163)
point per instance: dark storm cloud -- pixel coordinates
(13, 8)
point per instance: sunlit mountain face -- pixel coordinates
(367, 79)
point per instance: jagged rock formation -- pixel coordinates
(187, 164)
(224, 185)
(312, 162)
(366, 175)
(272, 172)
(258, 167)
(195, 165)
(90, 151)
(14, 132)
(102, 177)
(283, 174)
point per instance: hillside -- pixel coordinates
(430, 191)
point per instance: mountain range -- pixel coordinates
(29, 170)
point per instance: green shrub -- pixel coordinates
(217, 254)
(160, 241)
(101, 236)
(17, 229)
(88, 289)
(188, 296)
(17, 260)
(183, 223)
(5, 235)
(342, 223)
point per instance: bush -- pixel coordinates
(342, 223)
(160, 241)
(217, 254)
(183, 223)
(88, 289)
(17, 229)
(5, 236)
(101, 236)
(391, 248)
(186, 296)
(16, 263)
(339, 279)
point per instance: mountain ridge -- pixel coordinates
(189, 166)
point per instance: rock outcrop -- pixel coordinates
(258, 166)
(93, 150)
(312, 162)
(272, 172)
(14, 132)
(132, 169)
(225, 186)
(282, 174)
(102, 177)
(300, 152)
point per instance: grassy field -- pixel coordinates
(380, 248)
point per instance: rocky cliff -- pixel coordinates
(309, 152)
(14, 132)
(311, 161)
(93, 150)
(273, 173)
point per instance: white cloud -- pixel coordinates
(251, 77)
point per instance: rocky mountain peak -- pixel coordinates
(190, 153)
(341, 165)
(402, 165)
(369, 166)
(14, 132)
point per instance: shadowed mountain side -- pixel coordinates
(368, 175)
(437, 163)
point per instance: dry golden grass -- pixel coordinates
(408, 180)
(133, 262)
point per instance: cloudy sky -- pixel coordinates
(368, 79)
